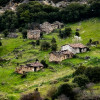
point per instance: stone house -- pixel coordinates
(48, 27)
(75, 48)
(59, 56)
(32, 67)
(12, 35)
(33, 34)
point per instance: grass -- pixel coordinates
(12, 85)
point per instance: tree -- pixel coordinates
(54, 47)
(65, 89)
(37, 42)
(77, 34)
(53, 40)
(45, 45)
(5, 32)
(44, 63)
(24, 33)
(80, 70)
(93, 74)
(0, 43)
(81, 80)
(65, 33)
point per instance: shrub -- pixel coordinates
(93, 73)
(24, 33)
(65, 33)
(0, 43)
(80, 70)
(5, 32)
(54, 47)
(53, 40)
(81, 80)
(37, 42)
(77, 34)
(45, 45)
(44, 63)
(65, 89)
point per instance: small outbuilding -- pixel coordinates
(32, 67)
(59, 56)
(75, 48)
(33, 34)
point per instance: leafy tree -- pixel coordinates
(54, 47)
(4, 2)
(24, 33)
(44, 63)
(9, 21)
(80, 70)
(53, 40)
(65, 33)
(77, 34)
(5, 32)
(0, 43)
(38, 42)
(81, 80)
(65, 89)
(93, 74)
(45, 45)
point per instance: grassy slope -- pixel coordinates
(13, 85)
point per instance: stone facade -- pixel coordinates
(48, 27)
(74, 48)
(12, 35)
(33, 34)
(32, 67)
(59, 56)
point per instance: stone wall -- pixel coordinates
(33, 34)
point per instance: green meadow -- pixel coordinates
(12, 85)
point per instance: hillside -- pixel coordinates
(12, 89)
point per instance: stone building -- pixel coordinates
(33, 34)
(12, 35)
(59, 56)
(32, 67)
(48, 27)
(75, 48)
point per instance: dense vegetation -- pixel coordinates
(38, 13)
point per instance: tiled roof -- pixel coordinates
(78, 45)
(36, 64)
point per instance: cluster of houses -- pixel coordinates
(67, 51)
(31, 67)
(46, 27)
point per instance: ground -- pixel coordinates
(12, 85)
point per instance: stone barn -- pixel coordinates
(32, 67)
(59, 56)
(48, 27)
(33, 34)
(75, 48)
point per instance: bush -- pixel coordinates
(65, 89)
(38, 42)
(93, 73)
(80, 70)
(65, 33)
(81, 80)
(45, 45)
(54, 47)
(0, 43)
(5, 32)
(44, 63)
(24, 33)
(53, 40)
(77, 34)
